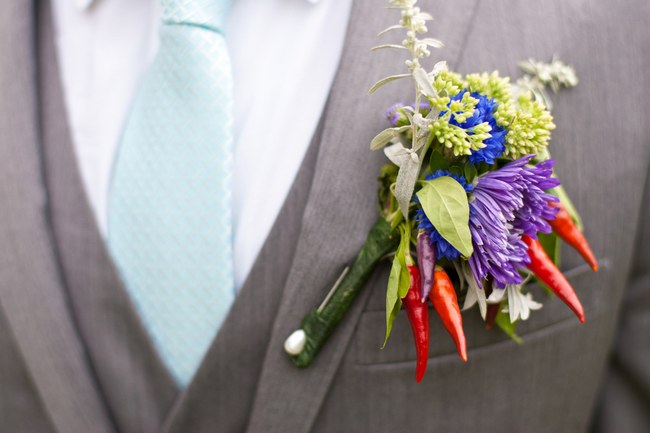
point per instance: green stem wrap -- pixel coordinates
(320, 323)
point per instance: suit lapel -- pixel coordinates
(138, 389)
(31, 290)
(340, 210)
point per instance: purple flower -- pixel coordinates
(397, 116)
(395, 113)
(505, 205)
(534, 215)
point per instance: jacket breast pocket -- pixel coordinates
(400, 348)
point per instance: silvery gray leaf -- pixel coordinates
(421, 121)
(388, 29)
(422, 79)
(432, 42)
(381, 47)
(406, 179)
(397, 153)
(385, 137)
(421, 141)
(438, 68)
(475, 293)
(386, 80)
(528, 67)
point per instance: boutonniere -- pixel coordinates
(469, 206)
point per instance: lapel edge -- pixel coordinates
(334, 350)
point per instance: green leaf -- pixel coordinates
(405, 276)
(470, 171)
(444, 202)
(398, 281)
(561, 193)
(392, 296)
(437, 161)
(503, 321)
(551, 244)
(390, 318)
(458, 170)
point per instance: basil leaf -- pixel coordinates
(390, 318)
(470, 172)
(444, 202)
(503, 321)
(398, 281)
(457, 170)
(437, 162)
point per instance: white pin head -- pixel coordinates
(294, 344)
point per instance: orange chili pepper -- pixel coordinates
(565, 228)
(418, 315)
(443, 297)
(542, 266)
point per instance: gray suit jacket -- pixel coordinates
(74, 357)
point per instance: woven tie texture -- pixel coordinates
(170, 223)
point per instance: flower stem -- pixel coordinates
(321, 322)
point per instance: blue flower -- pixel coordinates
(442, 247)
(505, 205)
(483, 112)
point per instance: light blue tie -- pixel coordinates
(170, 228)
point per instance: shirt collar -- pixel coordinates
(85, 4)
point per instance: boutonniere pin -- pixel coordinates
(470, 207)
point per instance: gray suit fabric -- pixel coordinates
(74, 357)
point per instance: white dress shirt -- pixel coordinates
(284, 54)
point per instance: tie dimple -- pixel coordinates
(170, 227)
(211, 14)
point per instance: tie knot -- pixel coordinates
(204, 13)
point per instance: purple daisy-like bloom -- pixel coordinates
(534, 215)
(505, 205)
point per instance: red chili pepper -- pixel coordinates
(443, 297)
(418, 314)
(491, 315)
(542, 266)
(426, 262)
(565, 228)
